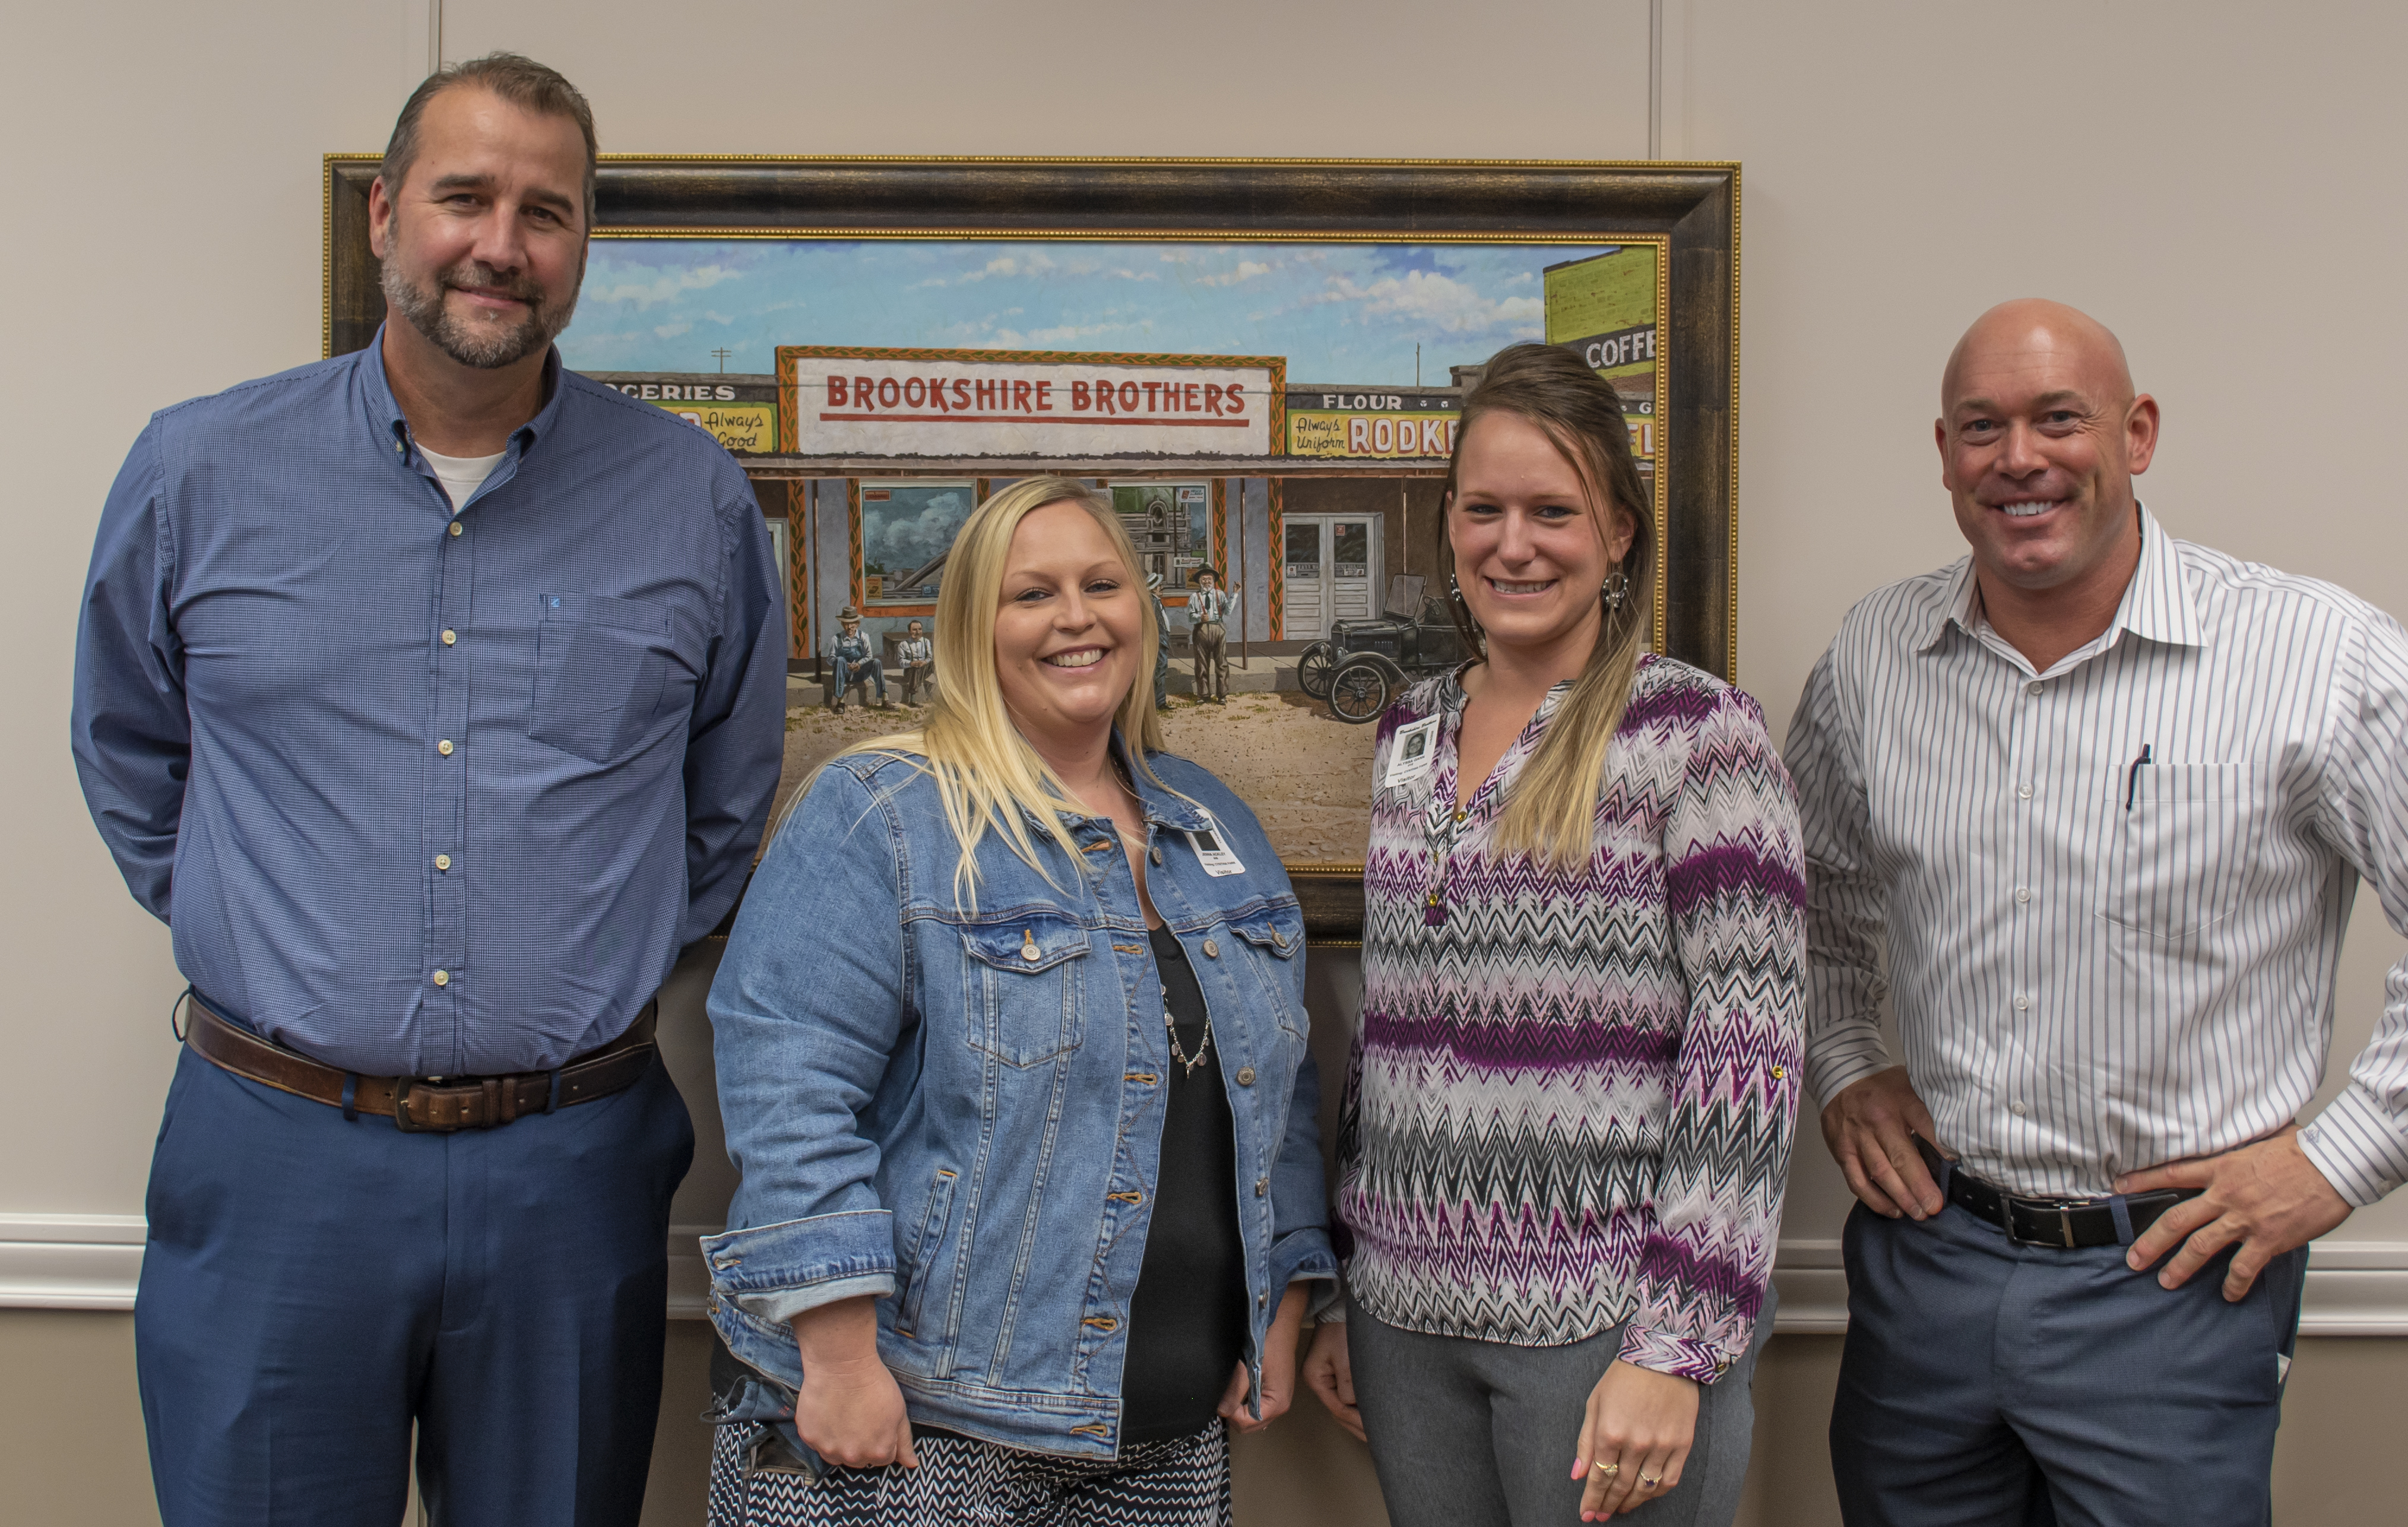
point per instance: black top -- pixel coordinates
(1187, 1318)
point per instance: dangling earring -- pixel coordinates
(1454, 591)
(1617, 588)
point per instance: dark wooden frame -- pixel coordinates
(1692, 207)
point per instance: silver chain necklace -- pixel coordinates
(1170, 1031)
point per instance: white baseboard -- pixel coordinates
(69, 1262)
(92, 1262)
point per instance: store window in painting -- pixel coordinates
(906, 528)
(1170, 525)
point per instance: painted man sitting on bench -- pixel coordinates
(857, 665)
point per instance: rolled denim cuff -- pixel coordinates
(779, 1308)
(1300, 1256)
(801, 1264)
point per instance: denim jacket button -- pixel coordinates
(1245, 1075)
(1155, 853)
(1212, 950)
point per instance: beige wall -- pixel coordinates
(2214, 180)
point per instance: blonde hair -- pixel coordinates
(1551, 814)
(986, 773)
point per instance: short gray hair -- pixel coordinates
(516, 78)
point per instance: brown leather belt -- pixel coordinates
(416, 1104)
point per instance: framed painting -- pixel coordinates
(1262, 362)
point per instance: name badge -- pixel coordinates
(1212, 850)
(1410, 755)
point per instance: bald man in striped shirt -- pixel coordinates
(2089, 807)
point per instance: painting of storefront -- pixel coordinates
(1251, 416)
(894, 447)
(1307, 498)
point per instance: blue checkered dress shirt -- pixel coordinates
(416, 794)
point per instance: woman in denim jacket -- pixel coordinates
(1010, 1041)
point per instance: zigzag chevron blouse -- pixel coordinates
(1571, 1102)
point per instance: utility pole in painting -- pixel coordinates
(721, 355)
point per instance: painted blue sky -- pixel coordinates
(1338, 312)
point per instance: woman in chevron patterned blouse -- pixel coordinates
(1569, 1108)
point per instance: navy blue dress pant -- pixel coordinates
(313, 1286)
(1986, 1383)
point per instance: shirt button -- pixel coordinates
(2023, 792)
(442, 978)
(442, 862)
(1262, 1185)
(444, 747)
(1260, 1300)
(2034, 687)
(2018, 1109)
(2022, 1002)
(2023, 893)
(1245, 1075)
(1780, 1072)
(455, 527)
(1212, 950)
(450, 637)
(1155, 853)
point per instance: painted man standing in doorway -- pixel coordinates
(1208, 631)
(2089, 808)
(1161, 642)
(918, 655)
(433, 695)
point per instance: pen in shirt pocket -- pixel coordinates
(2132, 776)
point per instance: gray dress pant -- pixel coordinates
(1986, 1383)
(1474, 1433)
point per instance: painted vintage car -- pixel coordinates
(1364, 664)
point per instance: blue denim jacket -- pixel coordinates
(959, 1111)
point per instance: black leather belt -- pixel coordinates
(2063, 1224)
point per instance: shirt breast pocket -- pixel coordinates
(1021, 987)
(2183, 844)
(601, 671)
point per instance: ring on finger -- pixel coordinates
(1647, 1482)
(1610, 1470)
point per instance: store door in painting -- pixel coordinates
(1332, 572)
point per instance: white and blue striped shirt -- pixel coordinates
(2111, 896)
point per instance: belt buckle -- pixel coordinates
(410, 1088)
(2062, 1208)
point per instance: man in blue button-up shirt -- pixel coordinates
(434, 695)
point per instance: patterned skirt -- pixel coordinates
(962, 1482)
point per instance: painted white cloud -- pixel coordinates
(666, 287)
(1247, 271)
(1426, 296)
(1057, 337)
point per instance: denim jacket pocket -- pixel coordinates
(936, 1223)
(1276, 936)
(1021, 987)
(601, 664)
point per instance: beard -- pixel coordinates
(486, 349)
